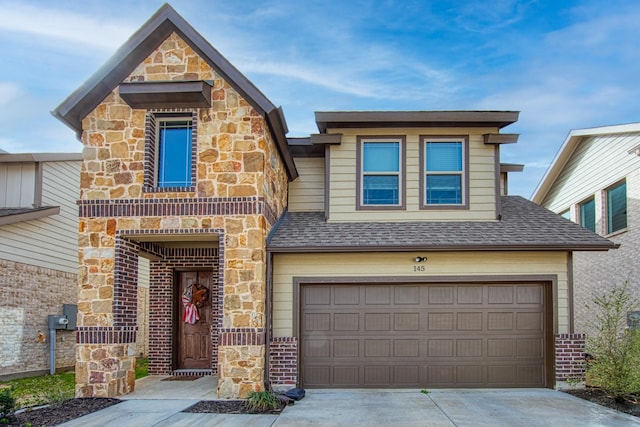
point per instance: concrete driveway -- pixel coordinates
(157, 403)
(449, 408)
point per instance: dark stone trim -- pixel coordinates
(176, 207)
(241, 336)
(106, 334)
(173, 94)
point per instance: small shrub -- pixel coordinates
(424, 391)
(142, 367)
(7, 403)
(262, 401)
(615, 351)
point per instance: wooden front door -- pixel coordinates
(194, 320)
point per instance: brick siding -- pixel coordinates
(283, 362)
(570, 357)
(29, 295)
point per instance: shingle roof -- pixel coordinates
(524, 226)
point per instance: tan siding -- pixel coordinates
(306, 193)
(17, 185)
(50, 242)
(598, 162)
(288, 266)
(481, 178)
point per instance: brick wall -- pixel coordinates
(29, 295)
(283, 362)
(570, 359)
(161, 302)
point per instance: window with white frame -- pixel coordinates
(381, 180)
(588, 214)
(617, 207)
(444, 174)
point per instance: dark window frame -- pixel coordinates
(402, 182)
(464, 139)
(152, 152)
(581, 213)
(609, 216)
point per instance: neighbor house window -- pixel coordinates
(617, 207)
(170, 151)
(443, 167)
(381, 176)
(588, 214)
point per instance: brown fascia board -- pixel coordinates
(148, 37)
(386, 119)
(326, 138)
(302, 147)
(39, 157)
(168, 94)
(29, 215)
(500, 138)
(444, 248)
(511, 167)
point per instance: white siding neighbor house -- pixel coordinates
(595, 181)
(38, 258)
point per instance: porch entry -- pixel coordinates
(193, 319)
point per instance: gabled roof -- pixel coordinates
(525, 226)
(568, 148)
(164, 22)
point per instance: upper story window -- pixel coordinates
(566, 214)
(380, 165)
(617, 207)
(174, 152)
(588, 214)
(444, 169)
(170, 151)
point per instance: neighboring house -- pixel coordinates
(379, 252)
(38, 258)
(595, 181)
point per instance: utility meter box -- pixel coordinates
(57, 321)
(70, 311)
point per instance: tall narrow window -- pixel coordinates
(444, 174)
(174, 152)
(617, 208)
(380, 173)
(588, 214)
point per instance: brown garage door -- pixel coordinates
(450, 335)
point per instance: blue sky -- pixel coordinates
(563, 64)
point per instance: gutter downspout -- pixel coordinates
(268, 303)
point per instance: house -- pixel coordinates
(595, 181)
(38, 258)
(379, 252)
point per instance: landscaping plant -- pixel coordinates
(7, 405)
(262, 401)
(614, 364)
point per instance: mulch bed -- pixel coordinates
(61, 413)
(596, 395)
(228, 407)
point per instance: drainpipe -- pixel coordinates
(268, 308)
(52, 351)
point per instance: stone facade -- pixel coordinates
(29, 294)
(239, 190)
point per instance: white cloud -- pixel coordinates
(9, 92)
(52, 26)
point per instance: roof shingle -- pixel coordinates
(524, 226)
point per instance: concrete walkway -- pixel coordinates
(159, 403)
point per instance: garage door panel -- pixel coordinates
(472, 321)
(453, 335)
(406, 295)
